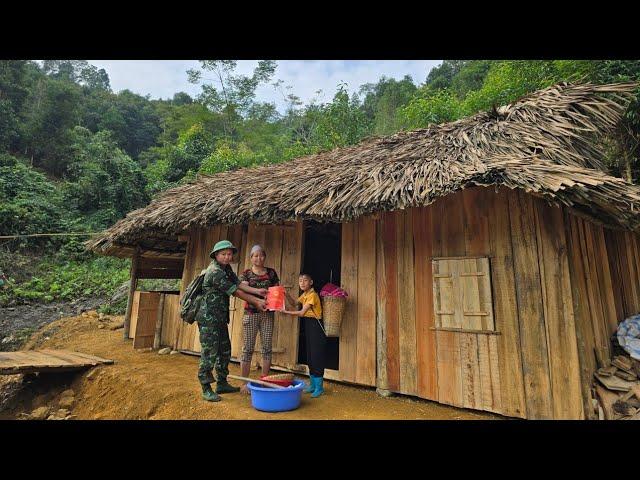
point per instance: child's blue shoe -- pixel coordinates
(312, 385)
(319, 390)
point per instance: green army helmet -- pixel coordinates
(221, 245)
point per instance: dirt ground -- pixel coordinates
(146, 385)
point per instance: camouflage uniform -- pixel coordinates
(219, 283)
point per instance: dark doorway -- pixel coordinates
(322, 247)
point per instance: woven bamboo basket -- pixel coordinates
(278, 376)
(332, 311)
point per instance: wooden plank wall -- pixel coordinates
(452, 367)
(623, 250)
(170, 321)
(146, 315)
(529, 366)
(357, 362)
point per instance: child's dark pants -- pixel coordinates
(316, 345)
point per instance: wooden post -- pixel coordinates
(156, 338)
(132, 288)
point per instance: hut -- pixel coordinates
(488, 260)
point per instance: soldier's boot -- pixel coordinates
(208, 394)
(224, 387)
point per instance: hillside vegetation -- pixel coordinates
(76, 156)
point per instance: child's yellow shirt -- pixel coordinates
(310, 297)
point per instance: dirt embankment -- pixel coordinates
(19, 322)
(146, 385)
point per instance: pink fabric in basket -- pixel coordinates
(331, 290)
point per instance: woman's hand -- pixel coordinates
(260, 304)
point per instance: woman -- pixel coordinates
(254, 321)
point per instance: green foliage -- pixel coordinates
(29, 202)
(192, 148)
(56, 279)
(341, 122)
(430, 106)
(103, 178)
(50, 112)
(382, 101)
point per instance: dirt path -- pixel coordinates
(145, 385)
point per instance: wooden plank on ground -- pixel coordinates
(29, 361)
(533, 336)
(426, 338)
(366, 339)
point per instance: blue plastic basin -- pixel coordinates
(275, 400)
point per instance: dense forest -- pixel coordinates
(76, 156)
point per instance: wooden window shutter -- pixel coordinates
(462, 293)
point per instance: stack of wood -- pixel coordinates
(618, 389)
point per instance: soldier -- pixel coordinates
(219, 283)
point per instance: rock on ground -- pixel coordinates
(164, 351)
(66, 402)
(39, 413)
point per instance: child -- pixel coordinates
(311, 313)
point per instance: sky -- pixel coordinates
(163, 78)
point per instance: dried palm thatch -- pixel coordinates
(546, 144)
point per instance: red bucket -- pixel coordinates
(275, 298)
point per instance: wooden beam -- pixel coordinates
(158, 333)
(132, 288)
(159, 273)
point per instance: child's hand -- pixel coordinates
(262, 292)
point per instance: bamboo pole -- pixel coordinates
(135, 260)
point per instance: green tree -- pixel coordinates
(233, 94)
(382, 101)
(104, 182)
(50, 112)
(341, 122)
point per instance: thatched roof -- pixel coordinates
(545, 143)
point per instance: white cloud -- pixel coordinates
(163, 78)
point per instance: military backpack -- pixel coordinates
(191, 301)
